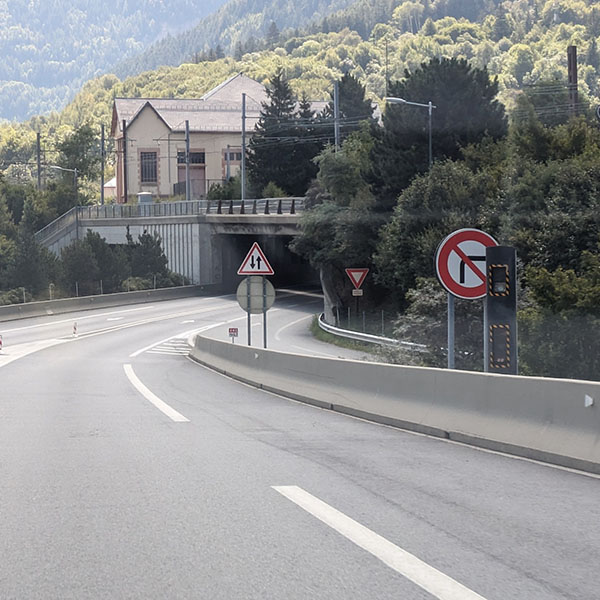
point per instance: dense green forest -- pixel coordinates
(50, 48)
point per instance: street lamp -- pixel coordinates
(429, 106)
(74, 171)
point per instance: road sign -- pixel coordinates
(357, 276)
(255, 263)
(460, 263)
(250, 295)
(357, 292)
(233, 332)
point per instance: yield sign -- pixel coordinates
(460, 263)
(357, 276)
(255, 263)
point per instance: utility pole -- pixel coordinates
(386, 67)
(572, 73)
(188, 185)
(336, 114)
(39, 160)
(243, 165)
(228, 171)
(102, 156)
(124, 161)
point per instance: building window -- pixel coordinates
(148, 167)
(196, 158)
(234, 156)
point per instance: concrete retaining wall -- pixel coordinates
(11, 312)
(540, 418)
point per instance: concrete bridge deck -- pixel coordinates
(202, 240)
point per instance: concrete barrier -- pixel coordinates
(539, 418)
(11, 312)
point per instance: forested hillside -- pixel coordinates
(50, 48)
(239, 26)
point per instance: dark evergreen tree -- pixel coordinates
(354, 107)
(273, 35)
(308, 143)
(270, 156)
(239, 51)
(466, 111)
(147, 257)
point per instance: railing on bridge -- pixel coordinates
(263, 206)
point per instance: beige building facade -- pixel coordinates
(150, 138)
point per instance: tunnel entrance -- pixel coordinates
(290, 269)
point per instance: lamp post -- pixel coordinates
(429, 106)
(74, 171)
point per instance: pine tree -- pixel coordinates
(270, 156)
(353, 105)
(273, 35)
(239, 51)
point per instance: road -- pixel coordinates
(128, 471)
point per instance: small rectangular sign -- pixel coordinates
(233, 332)
(356, 292)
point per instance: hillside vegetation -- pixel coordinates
(50, 48)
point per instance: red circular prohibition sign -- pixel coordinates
(452, 244)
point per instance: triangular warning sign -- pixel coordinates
(255, 263)
(357, 276)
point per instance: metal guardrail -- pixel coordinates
(369, 338)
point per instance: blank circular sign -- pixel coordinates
(260, 298)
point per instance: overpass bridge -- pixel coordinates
(205, 241)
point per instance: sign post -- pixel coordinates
(357, 277)
(256, 294)
(460, 267)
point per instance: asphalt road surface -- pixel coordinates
(129, 471)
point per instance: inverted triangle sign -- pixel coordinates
(255, 263)
(357, 276)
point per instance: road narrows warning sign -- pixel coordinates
(460, 263)
(357, 276)
(255, 263)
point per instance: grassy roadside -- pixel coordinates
(342, 342)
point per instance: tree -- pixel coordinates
(466, 111)
(80, 150)
(354, 107)
(449, 197)
(148, 258)
(272, 156)
(79, 266)
(273, 35)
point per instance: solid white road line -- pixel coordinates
(425, 576)
(162, 406)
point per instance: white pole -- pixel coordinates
(243, 165)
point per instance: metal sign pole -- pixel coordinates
(264, 291)
(450, 331)
(249, 314)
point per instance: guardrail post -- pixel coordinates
(254, 207)
(267, 207)
(242, 209)
(279, 207)
(231, 207)
(293, 207)
(219, 207)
